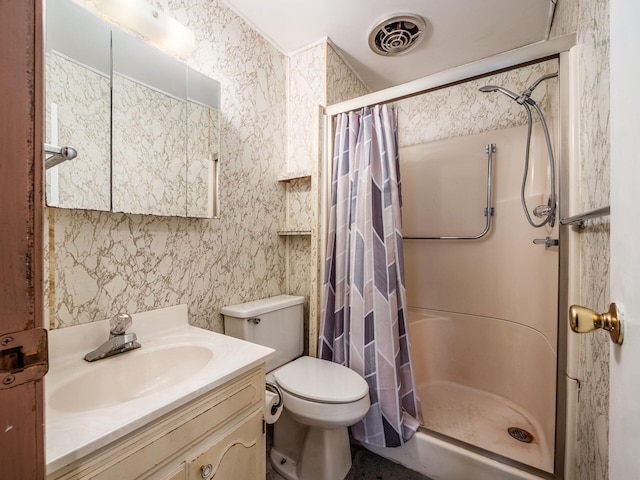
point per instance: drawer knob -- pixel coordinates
(205, 470)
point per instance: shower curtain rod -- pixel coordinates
(502, 61)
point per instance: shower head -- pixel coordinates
(494, 88)
(528, 91)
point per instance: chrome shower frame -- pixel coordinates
(562, 49)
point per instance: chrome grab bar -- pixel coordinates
(490, 149)
(578, 220)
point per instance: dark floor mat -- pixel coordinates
(369, 466)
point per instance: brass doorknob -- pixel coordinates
(583, 320)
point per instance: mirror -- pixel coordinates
(161, 130)
(78, 106)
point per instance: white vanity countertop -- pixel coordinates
(74, 429)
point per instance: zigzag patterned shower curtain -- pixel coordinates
(363, 320)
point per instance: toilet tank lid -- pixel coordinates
(258, 307)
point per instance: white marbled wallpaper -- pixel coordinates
(81, 94)
(317, 77)
(593, 409)
(462, 110)
(307, 84)
(306, 91)
(109, 262)
(342, 83)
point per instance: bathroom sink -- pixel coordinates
(132, 375)
(91, 404)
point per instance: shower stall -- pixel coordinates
(484, 285)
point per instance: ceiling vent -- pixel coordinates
(397, 35)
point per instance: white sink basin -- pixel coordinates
(118, 379)
(91, 404)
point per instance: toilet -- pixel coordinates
(320, 398)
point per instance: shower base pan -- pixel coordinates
(483, 420)
(466, 436)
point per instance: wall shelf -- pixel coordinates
(291, 233)
(287, 177)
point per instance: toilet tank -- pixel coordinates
(275, 322)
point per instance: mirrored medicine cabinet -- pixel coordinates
(144, 124)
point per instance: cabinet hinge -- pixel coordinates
(23, 357)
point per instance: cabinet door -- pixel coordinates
(237, 454)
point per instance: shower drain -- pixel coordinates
(520, 434)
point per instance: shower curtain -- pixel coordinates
(363, 320)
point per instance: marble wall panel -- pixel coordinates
(463, 110)
(342, 83)
(110, 262)
(299, 269)
(306, 92)
(301, 211)
(317, 76)
(593, 419)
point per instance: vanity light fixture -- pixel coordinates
(151, 23)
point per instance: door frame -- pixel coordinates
(21, 293)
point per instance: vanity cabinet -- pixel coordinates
(220, 434)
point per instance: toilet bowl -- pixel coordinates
(322, 394)
(320, 398)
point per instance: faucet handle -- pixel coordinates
(119, 323)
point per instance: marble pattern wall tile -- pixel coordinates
(82, 96)
(462, 110)
(318, 76)
(342, 83)
(109, 262)
(593, 419)
(299, 268)
(301, 211)
(306, 92)
(148, 165)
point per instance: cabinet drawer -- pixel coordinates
(176, 474)
(237, 454)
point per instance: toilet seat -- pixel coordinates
(321, 381)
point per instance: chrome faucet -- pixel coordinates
(119, 340)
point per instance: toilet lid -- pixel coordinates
(321, 381)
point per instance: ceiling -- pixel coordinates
(458, 31)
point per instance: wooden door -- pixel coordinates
(21, 79)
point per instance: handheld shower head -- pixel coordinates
(528, 91)
(546, 211)
(494, 88)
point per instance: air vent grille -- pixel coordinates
(397, 35)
